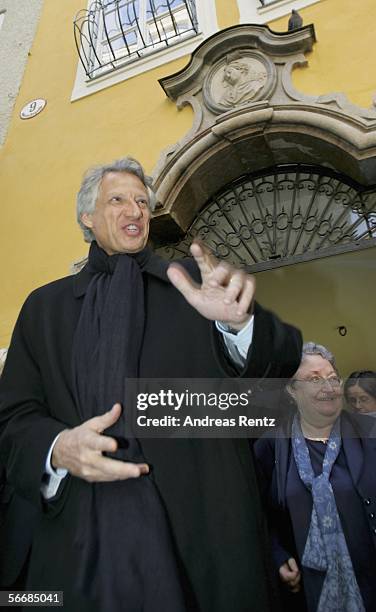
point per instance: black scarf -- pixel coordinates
(126, 554)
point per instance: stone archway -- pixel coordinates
(272, 125)
(237, 178)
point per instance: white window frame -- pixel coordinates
(251, 11)
(207, 25)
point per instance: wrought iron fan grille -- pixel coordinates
(290, 214)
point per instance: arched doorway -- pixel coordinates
(309, 235)
(281, 216)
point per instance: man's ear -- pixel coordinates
(86, 219)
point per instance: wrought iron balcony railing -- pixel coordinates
(111, 33)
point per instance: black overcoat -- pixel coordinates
(208, 487)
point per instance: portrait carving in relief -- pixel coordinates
(242, 79)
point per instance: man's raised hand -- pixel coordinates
(226, 293)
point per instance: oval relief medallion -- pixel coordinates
(240, 78)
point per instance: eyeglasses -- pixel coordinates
(318, 381)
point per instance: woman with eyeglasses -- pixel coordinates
(318, 472)
(360, 392)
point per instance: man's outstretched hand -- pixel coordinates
(79, 450)
(226, 293)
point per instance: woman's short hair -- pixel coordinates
(88, 194)
(311, 348)
(365, 379)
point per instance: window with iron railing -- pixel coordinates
(110, 33)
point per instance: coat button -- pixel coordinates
(374, 531)
(371, 515)
(367, 501)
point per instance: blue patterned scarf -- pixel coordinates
(326, 549)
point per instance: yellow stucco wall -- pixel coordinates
(343, 59)
(43, 159)
(321, 295)
(227, 13)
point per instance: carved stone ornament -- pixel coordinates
(248, 117)
(237, 79)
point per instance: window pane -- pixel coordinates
(165, 22)
(129, 12)
(111, 23)
(158, 7)
(125, 12)
(120, 31)
(131, 28)
(119, 47)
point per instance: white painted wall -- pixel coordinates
(18, 22)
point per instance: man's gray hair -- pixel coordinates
(88, 194)
(311, 348)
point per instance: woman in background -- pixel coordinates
(360, 392)
(319, 469)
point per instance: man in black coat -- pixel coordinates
(110, 531)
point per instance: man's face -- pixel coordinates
(120, 221)
(317, 390)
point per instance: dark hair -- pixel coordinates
(365, 379)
